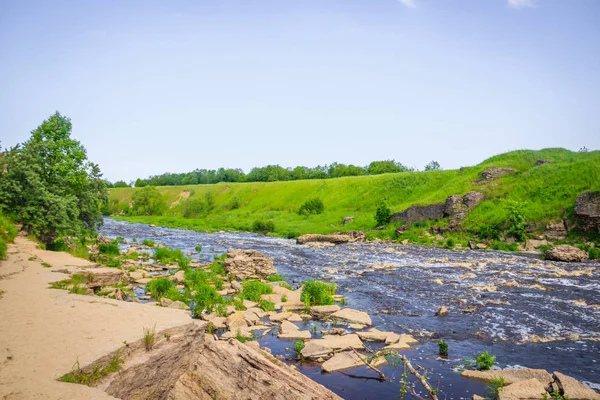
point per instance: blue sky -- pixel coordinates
(177, 85)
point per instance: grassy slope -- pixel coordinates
(548, 191)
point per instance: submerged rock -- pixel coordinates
(347, 359)
(353, 316)
(509, 375)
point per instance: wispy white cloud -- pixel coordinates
(520, 3)
(408, 3)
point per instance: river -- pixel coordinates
(550, 320)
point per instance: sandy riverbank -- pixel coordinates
(43, 332)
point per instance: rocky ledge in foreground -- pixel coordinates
(528, 383)
(186, 363)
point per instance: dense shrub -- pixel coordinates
(450, 243)
(491, 232)
(382, 214)
(263, 227)
(318, 293)
(485, 360)
(516, 222)
(312, 206)
(254, 289)
(111, 248)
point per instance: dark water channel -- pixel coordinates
(550, 320)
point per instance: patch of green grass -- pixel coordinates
(266, 305)
(275, 278)
(284, 298)
(46, 265)
(149, 337)
(167, 255)
(90, 377)
(318, 293)
(148, 242)
(241, 338)
(238, 303)
(253, 290)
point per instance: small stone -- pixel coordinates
(441, 312)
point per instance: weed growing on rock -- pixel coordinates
(318, 293)
(206, 299)
(238, 303)
(198, 248)
(149, 337)
(494, 387)
(46, 265)
(298, 346)
(443, 348)
(148, 242)
(485, 360)
(284, 298)
(241, 338)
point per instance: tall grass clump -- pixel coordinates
(206, 299)
(159, 287)
(149, 337)
(318, 293)
(167, 255)
(253, 290)
(263, 227)
(111, 248)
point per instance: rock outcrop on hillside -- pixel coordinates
(587, 211)
(494, 173)
(199, 367)
(456, 207)
(248, 264)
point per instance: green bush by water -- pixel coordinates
(252, 290)
(318, 293)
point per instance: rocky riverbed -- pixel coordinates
(528, 312)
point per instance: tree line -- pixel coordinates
(272, 173)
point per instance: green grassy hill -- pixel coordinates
(546, 192)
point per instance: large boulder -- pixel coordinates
(353, 316)
(587, 211)
(567, 253)
(248, 264)
(98, 277)
(574, 389)
(529, 389)
(196, 366)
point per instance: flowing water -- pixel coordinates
(550, 319)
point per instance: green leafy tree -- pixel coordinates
(121, 184)
(383, 214)
(433, 166)
(148, 201)
(49, 184)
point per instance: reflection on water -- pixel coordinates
(498, 302)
